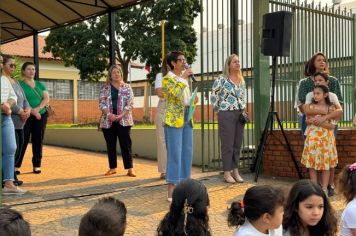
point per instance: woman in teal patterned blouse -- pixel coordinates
(229, 98)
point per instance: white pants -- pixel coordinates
(161, 141)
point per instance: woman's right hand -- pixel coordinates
(38, 116)
(112, 117)
(6, 108)
(188, 72)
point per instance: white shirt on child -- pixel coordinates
(247, 229)
(348, 219)
(158, 81)
(332, 96)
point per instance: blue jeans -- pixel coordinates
(302, 124)
(179, 143)
(8, 147)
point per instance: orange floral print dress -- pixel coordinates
(319, 148)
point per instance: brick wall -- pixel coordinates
(88, 112)
(63, 110)
(277, 160)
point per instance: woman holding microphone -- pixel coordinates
(177, 125)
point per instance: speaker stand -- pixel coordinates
(269, 129)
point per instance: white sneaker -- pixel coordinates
(13, 191)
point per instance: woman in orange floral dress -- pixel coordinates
(319, 152)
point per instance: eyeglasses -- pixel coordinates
(12, 65)
(182, 60)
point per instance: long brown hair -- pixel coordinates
(310, 69)
(327, 226)
(346, 183)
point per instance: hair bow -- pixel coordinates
(242, 205)
(352, 167)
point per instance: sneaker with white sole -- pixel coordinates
(13, 191)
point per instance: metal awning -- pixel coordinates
(22, 18)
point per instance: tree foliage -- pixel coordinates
(138, 37)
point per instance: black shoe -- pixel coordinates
(331, 191)
(18, 182)
(37, 170)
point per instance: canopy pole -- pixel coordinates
(112, 38)
(35, 55)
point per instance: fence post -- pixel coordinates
(353, 58)
(260, 70)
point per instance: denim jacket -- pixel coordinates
(125, 102)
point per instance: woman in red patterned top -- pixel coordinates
(116, 103)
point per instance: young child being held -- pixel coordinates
(259, 214)
(320, 147)
(308, 211)
(347, 186)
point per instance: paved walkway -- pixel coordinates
(73, 180)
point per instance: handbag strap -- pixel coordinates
(34, 89)
(241, 107)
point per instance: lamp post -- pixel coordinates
(162, 37)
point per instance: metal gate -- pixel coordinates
(226, 27)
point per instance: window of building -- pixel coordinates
(59, 89)
(138, 91)
(89, 90)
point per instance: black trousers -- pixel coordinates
(122, 133)
(35, 129)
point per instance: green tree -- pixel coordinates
(138, 37)
(83, 46)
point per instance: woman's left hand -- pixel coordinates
(196, 100)
(119, 117)
(112, 117)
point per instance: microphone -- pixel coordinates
(192, 77)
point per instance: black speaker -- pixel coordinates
(276, 34)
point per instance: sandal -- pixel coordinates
(110, 172)
(131, 173)
(163, 176)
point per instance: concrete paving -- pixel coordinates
(73, 180)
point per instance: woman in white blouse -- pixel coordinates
(229, 98)
(8, 99)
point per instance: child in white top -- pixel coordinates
(347, 186)
(259, 214)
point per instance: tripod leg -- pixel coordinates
(254, 164)
(261, 146)
(289, 147)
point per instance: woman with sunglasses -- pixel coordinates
(20, 111)
(8, 99)
(178, 126)
(37, 95)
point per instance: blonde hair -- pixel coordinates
(108, 79)
(226, 71)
